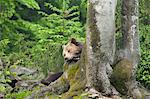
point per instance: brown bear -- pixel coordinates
(71, 53)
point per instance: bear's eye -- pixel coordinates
(64, 54)
(68, 51)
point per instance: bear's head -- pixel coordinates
(72, 51)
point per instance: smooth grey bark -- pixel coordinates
(130, 30)
(100, 44)
(130, 42)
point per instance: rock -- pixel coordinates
(23, 70)
(121, 75)
(94, 94)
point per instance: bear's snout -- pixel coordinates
(66, 58)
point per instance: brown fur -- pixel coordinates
(51, 78)
(72, 51)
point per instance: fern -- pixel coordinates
(4, 43)
(29, 3)
(65, 11)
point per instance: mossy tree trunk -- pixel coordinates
(130, 31)
(100, 42)
(129, 54)
(130, 43)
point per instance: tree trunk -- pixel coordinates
(100, 43)
(129, 53)
(130, 42)
(130, 31)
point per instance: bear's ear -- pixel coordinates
(73, 41)
(63, 46)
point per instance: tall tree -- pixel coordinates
(130, 30)
(130, 40)
(100, 42)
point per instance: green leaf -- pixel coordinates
(30, 4)
(2, 88)
(7, 72)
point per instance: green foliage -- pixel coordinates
(144, 12)
(19, 95)
(143, 73)
(7, 9)
(38, 43)
(83, 10)
(118, 24)
(67, 5)
(35, 42)
(65, 11)
(48, 57)
(62, 27)
(30, 3)
(5, 76)
(3, 44)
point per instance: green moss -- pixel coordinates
(121, 74)
(123, 69)
(19, 95)
(74, 74)
(76, 78)
(72, 71)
